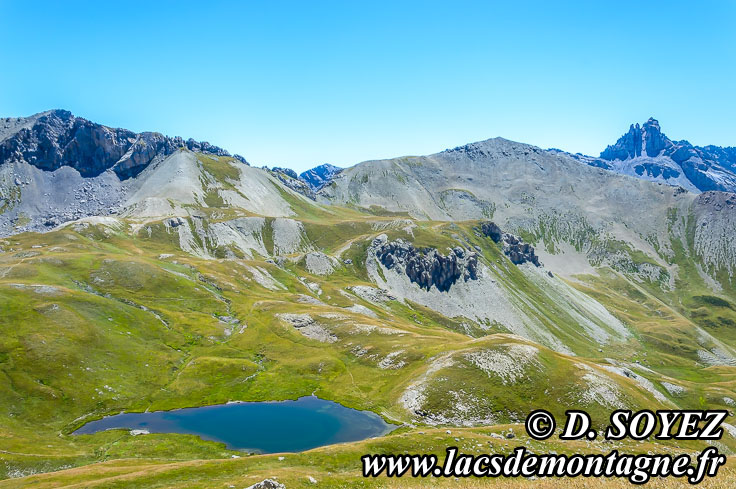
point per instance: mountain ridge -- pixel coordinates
(56, 138)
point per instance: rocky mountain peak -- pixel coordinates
(652, 123)
(645, 140)
(321, 175)
(56, 138)
(646, 152)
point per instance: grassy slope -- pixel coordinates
(123, 327)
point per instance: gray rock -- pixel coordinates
(491, 230)
(427, 267)
(319, 176)
(267, 484)
(57, 138)
(175, 222)
(290, 179)
(513, 246)
(646, 140)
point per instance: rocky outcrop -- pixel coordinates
(518, 251)
(491, 230)
(513, 246)
(289, 178)
(267, 484)
(286, 171)
(320, 176)
(320, 264)
(308, 182)
(57, 138)
(427, 267)
(308, 327)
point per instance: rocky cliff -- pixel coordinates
(427, 267)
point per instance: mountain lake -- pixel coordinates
(260, 427)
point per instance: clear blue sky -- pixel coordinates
(302, 83)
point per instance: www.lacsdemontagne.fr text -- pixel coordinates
(638, 469)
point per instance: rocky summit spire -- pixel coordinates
(645, 140)
(658, 158)
(654, 141)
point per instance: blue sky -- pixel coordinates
(302, 83)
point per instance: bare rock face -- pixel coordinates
(57, 138)
(518, 251)
(715, 221)
(647, 140)
(513, 247)
(428, 267)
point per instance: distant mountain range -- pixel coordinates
(55, 167)
(56, 138)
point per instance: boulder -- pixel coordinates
(267, 484)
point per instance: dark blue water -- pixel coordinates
(266, 427)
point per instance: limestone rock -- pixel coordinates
(428, 267)
(267, 484)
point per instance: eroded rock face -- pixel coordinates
(57, 138)
(518, 251)
(513, 246)
(646, 140)
(427, 267)
(308, 327)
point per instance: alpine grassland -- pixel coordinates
(145, 312)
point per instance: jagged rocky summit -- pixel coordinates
(57, 138)
(647, 140)
(646, 152)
